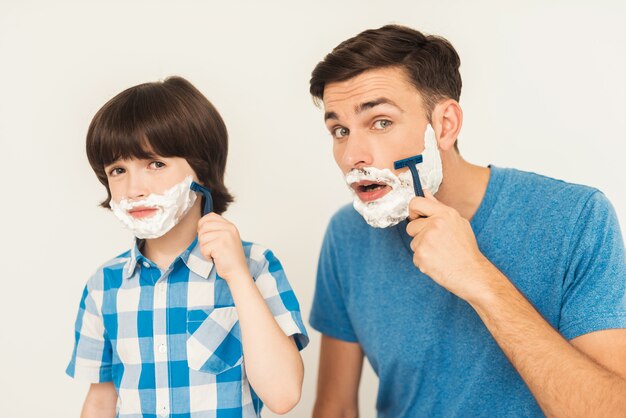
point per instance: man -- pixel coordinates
(502, 295)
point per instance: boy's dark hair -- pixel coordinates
(171, 119)
(430, 62)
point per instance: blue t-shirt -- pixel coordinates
(559, 243)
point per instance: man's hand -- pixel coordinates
(219, 240)
(444, 247)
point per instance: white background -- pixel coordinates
(544, 88)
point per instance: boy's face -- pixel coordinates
(135, 179)
(375, 119)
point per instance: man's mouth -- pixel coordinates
(368, 191)
(141, 212)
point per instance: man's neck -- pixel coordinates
(164, 250)
(464, 184)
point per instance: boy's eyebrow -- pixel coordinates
(365, 106)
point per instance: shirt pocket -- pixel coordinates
(213, 340)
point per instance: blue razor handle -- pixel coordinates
(206, 192)
(411, 162)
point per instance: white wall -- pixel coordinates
(543, 90)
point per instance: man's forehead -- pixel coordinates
(374, 87)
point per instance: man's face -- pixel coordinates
(375, 118)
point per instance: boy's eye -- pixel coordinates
(157, 164)
(340, 132)
(116, 171)
(382, 124)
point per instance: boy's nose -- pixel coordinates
(136, 188)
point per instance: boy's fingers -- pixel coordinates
(211, 225)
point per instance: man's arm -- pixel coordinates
(338, 380)
(100, 402)
(584, 378)
(607, 347)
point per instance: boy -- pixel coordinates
(191, 321)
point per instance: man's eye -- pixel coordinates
(382, 124)
(157, 164)
(340, 132)
(116, 171)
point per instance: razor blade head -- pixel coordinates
(408, 162)
(208, 198)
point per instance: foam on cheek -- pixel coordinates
(171, 206)
(390, 209)
(393, 207)
(372, 174)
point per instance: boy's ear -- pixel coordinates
(447, 119)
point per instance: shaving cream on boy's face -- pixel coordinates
(393, 207)
(170, 207)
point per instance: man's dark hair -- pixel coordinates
(169, 119)
(430, 62)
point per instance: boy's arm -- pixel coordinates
(272, 360)
(273, 364)
(100, 402)
(341, 363)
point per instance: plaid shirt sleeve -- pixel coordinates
(214, 344)
(91, 359)
(272, 282)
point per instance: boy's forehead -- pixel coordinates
(130, 150)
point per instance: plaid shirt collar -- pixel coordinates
(193, 259)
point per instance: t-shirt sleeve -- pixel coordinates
(91, 358)
(328, 313)
(272, 282)
(594, 292)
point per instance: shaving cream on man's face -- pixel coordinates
(170, 207)
(393, 207)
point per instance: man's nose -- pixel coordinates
(358, 151)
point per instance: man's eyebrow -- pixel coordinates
(373, 103)
(363, 107)
(330, 115)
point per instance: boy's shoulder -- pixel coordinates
(260, 257)
(111, 270)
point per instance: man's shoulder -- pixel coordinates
(533, 189)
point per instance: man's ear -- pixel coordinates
(447, 119)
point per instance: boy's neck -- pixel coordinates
(164, 250)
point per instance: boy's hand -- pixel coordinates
(444, 247)
(219, 240)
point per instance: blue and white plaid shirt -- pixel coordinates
(170, 340)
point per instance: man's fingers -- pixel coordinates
(416, 226)
(428, 195)
(423, 206)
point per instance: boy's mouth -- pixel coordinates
(141, 212)
(369, 191)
